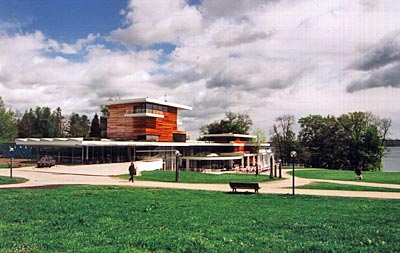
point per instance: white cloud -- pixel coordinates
(261, 57)
(27, 70)
(233, 8)
(158, 21)
(78, 46)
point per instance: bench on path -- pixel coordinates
(237, 185)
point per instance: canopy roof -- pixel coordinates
(148, 100)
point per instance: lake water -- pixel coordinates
(391, 160)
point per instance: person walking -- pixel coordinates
(358, 173)
(132, 172)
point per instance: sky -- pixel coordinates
(265, 58)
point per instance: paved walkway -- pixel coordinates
(101, 175)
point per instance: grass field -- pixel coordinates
(118, 219)
(345, 175)
(197, 177)
(13, 180)
(343, 187)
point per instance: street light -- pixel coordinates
(11, 162)
(293, 155)
(177, 156)
(280, 168)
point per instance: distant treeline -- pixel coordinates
(43, 122)
(392, 143)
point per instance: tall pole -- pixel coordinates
(11, 165)
(280, 168)
(11, 161)
(292, 175)
(177, 155)
(293, 154)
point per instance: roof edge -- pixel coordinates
(148, 100)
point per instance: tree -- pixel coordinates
(41, 123)
(25, 124)
(283, 137)
(353, 140)
(79, 126)
(105, 109)
(58, 123)
(237, 123)
(363, 142)
(8, 124)
(260, 134)
(260, 139)
(95, 130)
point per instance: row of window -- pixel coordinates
(149, 107)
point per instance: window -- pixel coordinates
(149, 108)
(156, 107)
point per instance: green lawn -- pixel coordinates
(118, 219)
(197, 177)
(345, 175)
(13, 180)
(343, 187)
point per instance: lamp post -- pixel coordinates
(293, 155)
(280, 168)
(177, 156)
(11, 160)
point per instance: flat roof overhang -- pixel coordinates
(148, 100)
(50, 142)
(80, 142)
(146, 114)
(212, 158)
(247, 136)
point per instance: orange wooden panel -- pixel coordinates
(119, 126)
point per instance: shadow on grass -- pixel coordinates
(241, 193)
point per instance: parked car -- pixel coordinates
(46, 161)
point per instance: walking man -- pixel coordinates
(132, 172)
(358, 173)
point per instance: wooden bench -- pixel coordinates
(237, 185)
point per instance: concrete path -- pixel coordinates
(101, 175)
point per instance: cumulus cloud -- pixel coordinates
(383, 77)
(226, 34)
(255, 74)
(175, 78)
(26, 68)
(379, 66)
(229, 8)
(78, 46)
(230, 55)
(158, 21)
(387, 51)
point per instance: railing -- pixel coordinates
(140, 111)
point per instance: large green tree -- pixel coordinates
(79, 126)
(352, 140)
(317, 139)
(8, 124)
(237, 123)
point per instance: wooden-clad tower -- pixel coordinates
(145, 119)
